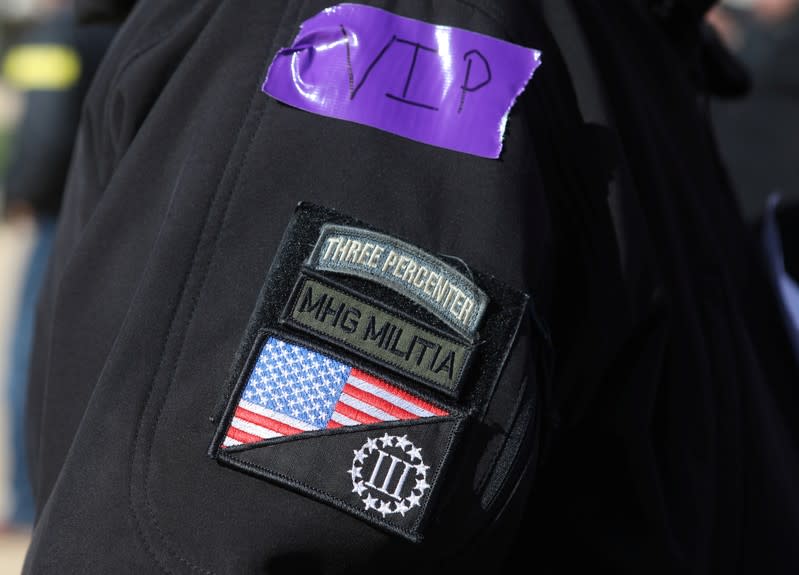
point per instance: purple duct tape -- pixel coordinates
(444, 86)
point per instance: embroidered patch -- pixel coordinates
(293, 390)
(425, 279)
(358, 367)
(444, 86)
(335, 432)
(377, 333)
(389, 486)
(389, 474)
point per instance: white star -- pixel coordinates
(415, 453)
(371, 444)
(422, 485)
(421, 469)
(355, 473)
(370, 501)
(387, 440)
(402, 442)
(359, 488)
(403, 508)
(360, 455)
(413, 500)
(385, 508)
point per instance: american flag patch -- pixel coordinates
(293, 390)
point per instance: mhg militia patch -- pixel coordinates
(360, 368)
(377, 333)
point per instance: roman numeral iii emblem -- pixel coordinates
(389, 475)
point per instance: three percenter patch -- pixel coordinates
(359, 367)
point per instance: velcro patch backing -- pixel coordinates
(350, 386)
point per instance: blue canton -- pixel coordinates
(297, 382)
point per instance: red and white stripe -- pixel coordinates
(365, 399)
(252, 423)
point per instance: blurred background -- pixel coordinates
(759, 135)
(46, 63)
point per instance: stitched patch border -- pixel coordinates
(381, 355)
(294, 467)
(235, 456)
(234, 460)
(320, 347)
(408, 270)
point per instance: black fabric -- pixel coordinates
(44, 139)
(103, 10)
(661, 438)
(192, 243)
(665, 460)
(725, 74)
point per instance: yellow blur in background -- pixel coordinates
(41, 67)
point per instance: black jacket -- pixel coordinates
(642, 420)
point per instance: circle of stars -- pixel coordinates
(419, 469)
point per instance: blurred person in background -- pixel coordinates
(52, 63)
(759, 135)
